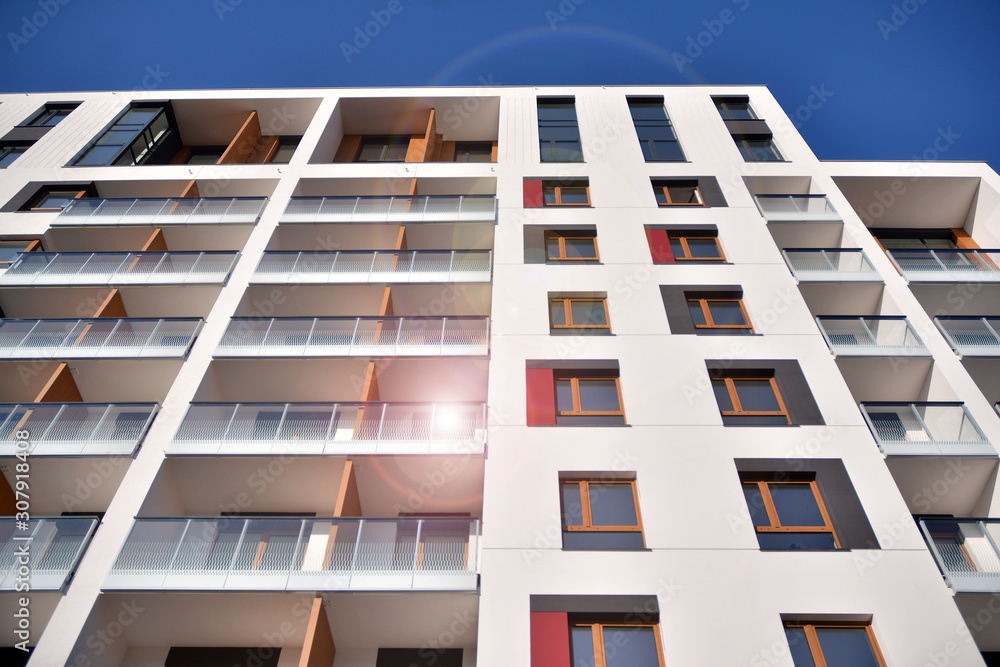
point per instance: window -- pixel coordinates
(616, 644)
(566, 192)
(719, 316)
(10, 151)
(677, 193)
(735, 108)
(579, 315)
(587, 399)
(757, 148)
(750, 401)
(656, 135)
(600, 514)
(411, 657)
(831, 644)
(383, 149)
(473, 151)
(55, 200)
(687, 247)
(9, 250)
(558, 132)
(788, 514)
(571, 246)
(131, 140)
(286, 147)
(205, 154)
(50, 115)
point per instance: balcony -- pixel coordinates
(375, 266)
(88, 429)
(796, 208)
(924, 265)
(162, 211)
(100, 337)
(417, 208)
(966, 551)
(355, 336)
(119, 268)
(832, 264)
(971, 336)
(291, 554)
(332, 428)
(55, 546)
(871, 336)
(928, 429)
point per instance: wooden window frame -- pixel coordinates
(575, 388)
(772, 511)
(816, 650)
(558, 193)
(707, 312)
(687, 257)
(561, 236)
(588, 520)
(597, 630)
(738, 410)
(80, 194)
(665, 189)
(568, 310)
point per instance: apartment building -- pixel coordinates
(548, 376)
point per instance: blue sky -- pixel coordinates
(884, 78)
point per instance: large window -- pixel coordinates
(757, 148)
(578, 315)
(616, 645)
(131, 140)
(750, 400)
(51, 114)
(735, 108)
(284, 150)
(672, 245)
(711, 315)
(600, 514)
(656, 135)
(473, 151)
(383, 149)
(830, 644)
(584, 399)
(558, 132)
(12, 150)
(788, 514)
(571, 246)
(552, 192)
(677, 193)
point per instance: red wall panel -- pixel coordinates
(549, 639)
(541, 397)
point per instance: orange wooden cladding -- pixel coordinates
(349, 147)
(243, 143)
(60, 388)
(318, 649)
(8, 503)
(447, 152)
(963, 240)
(113, 306)
(348, 498)
(191, 190)
(156, 242)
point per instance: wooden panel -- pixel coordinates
(348, 149)
(447, 153)
(156, 242)
(61, 388)
(401, 238)
(181, 156)
(348, 499)
(113, 306)
(8, 503)
(243, 143)
(541, 391)
(413, 187)
(191, 190)
(264, 150)
(963, 240)
(549, 639)
(318, 649)
(369, 391)
(533, 193)
(659, 246)
(495, 150)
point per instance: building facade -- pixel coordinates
(541, 376)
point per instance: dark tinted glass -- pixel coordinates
(727, 313)
(798, 646)
(583, 248)
(722, 395)
(588, 312)
(846, 647)
(756, 395)
(582, 639)
(571, 504)
(804, 541)
(599, 395)
(630, 647)
(557, 313)
(755, 503)
(796, 505)
(704, 248)
(612, 505)
(697, 314)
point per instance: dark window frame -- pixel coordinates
(549, 146)
(48, 112)
(652, 126)
(485, 148)
(387, 141)
(15, 148)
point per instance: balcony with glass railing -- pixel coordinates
(966, 551)
(54, 547)
(119, 268)
(98, 337)
(932, 429)
(354, 336)
(162, 211)
(871, 336)
(332, 428)
(88, 429)
(413, 208)
(299, 554)
(946, 265)
(374, 266)
(796, 208)
(971, 336)
(830, 264)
